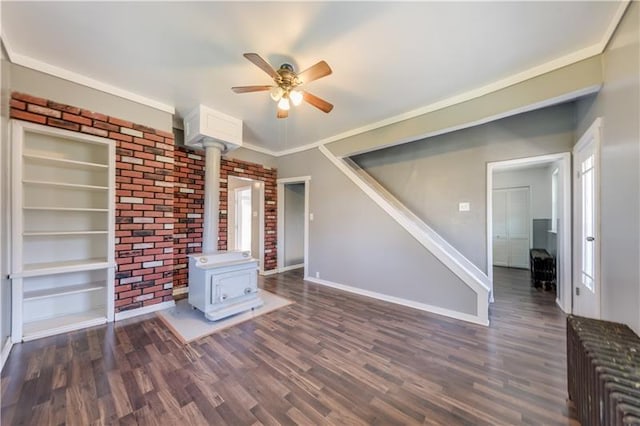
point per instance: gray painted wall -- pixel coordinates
(619, 105)
(433, 175)
(5, 212)
(46, 86)
(293, 224)
(354, 242)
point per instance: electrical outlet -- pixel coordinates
(464, 207)
(311, 217)
(317, 274)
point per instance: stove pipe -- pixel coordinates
(216, 133)
(213, 152)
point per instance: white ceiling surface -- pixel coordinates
(388, 58)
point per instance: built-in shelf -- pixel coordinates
(64, 209)
(62, 162)
(46, 268)
(62, 258)
(65, 185)
(61, 233)
(63, 291)
(63, 324)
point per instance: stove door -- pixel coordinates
(231, 285)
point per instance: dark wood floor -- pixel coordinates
(330, 358)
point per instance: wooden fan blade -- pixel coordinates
(319, 70)
(282, 113)
(317, 102)
(247, 89)
(262, 64)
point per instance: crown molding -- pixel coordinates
(611, 29)
(7, 48)
(83, 80)
(260, 149)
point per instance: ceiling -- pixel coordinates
(388, 58)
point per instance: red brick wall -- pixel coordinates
(188, 207)
(188, 211)
(159, 199)
(144, 195)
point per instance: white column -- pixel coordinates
(213, 152)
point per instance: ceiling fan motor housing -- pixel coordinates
(288, 77)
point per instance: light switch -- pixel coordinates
(464, 207)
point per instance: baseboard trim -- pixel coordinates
(560, 305)
(291, 267)
(400, 301)
(269, 272)
(6, 350)
(144, 310)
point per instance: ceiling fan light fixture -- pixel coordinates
(283, 104)
(296, 97)
(276, 93)
(284, 92)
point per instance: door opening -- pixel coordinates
(529, 216)
(293, 223)
(245, 217)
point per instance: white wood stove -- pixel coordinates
(220, 283)
(223, 284)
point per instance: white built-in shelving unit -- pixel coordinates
(63, 230)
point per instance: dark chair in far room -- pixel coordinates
(543, 269)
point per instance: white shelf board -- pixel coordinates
(65, 209)
(63, 291)
(63, 162)
(65, 185)
(36, 269)
(63, 324)
(56, 233)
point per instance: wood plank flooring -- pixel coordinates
(330, 358)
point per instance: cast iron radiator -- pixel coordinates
(603, 369)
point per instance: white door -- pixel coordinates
(243, 218)
(500, 235)
(511, 227)
(586, 254)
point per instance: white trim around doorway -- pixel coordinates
(565, 271)
(280, 195)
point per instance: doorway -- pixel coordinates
(586, 274)
(245, 216)
(529, 206)
(293, 223)
(242, 227)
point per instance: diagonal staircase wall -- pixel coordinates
(458, 264)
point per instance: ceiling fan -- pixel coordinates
(286, 90)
